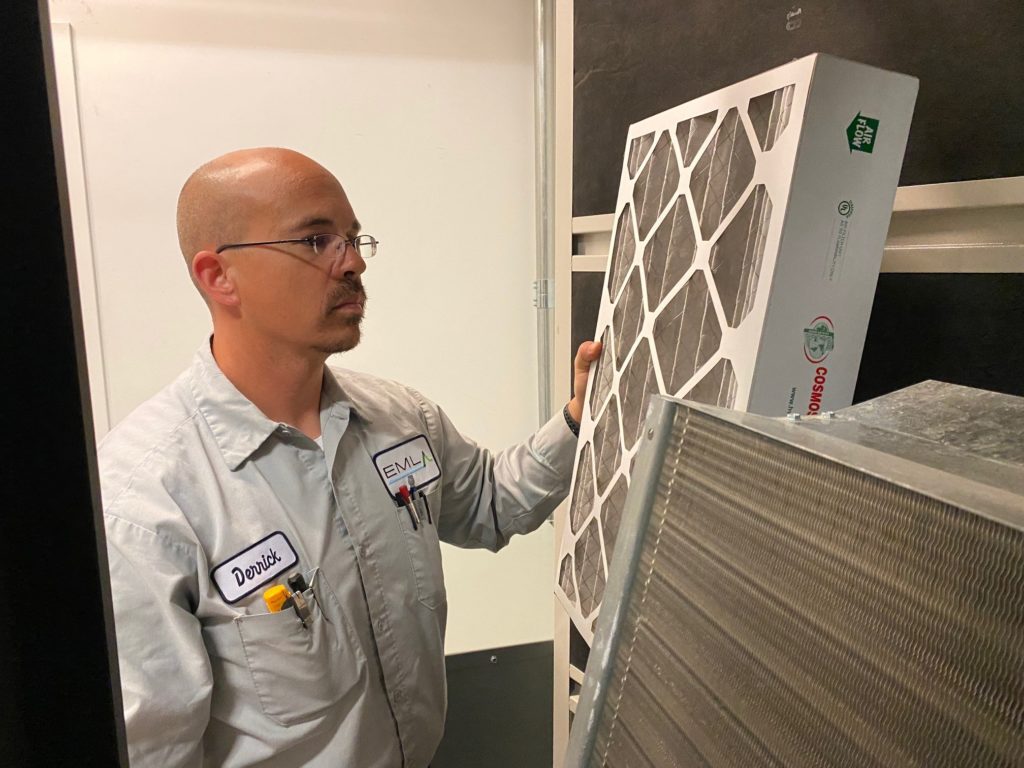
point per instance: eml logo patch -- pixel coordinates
(819, 339)
(862, 133)
(411, 463)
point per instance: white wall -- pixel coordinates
(424, 111)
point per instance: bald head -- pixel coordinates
(280, 287)
(223, 199)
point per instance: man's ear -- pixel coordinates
(210, 273)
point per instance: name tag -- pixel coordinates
(250, 569)
(411, 462)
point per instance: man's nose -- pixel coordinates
(348, 262)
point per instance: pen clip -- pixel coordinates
(426, 505)
(301, 608)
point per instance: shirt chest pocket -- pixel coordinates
(425, 548)
(299, 672)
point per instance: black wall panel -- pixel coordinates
(499, 708)
(586, 306)
(959, 328)
(59, 702)
(634, 59)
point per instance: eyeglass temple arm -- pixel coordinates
(265, 242)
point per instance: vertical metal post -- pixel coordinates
(544, 181)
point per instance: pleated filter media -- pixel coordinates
(749, 232)
(830, 592)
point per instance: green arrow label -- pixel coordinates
(861, 134)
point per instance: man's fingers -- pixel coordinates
(588, 352)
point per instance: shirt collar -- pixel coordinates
(238, 426)
(335, 401)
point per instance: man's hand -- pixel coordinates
(588, 352)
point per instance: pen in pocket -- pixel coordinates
(404, 498)
(423, 498)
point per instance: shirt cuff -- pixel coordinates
(555, 444)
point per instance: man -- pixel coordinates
(257, 464)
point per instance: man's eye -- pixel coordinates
(317, 242)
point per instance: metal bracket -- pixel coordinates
(543, 294)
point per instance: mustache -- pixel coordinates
(349, 289)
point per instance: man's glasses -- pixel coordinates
(327, 245)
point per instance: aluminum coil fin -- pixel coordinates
(818, 593)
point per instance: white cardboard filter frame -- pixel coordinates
(749, 232)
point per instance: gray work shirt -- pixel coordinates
(207, 503)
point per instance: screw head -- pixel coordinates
(650, 433)
(494, 659)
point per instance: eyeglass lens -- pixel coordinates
(335, 246)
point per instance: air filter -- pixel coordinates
(844, 591)
(748, 237)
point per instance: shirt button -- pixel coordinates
(362, 551)
(380, 625)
